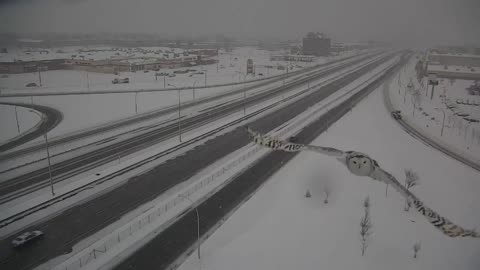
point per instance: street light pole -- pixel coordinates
(16, 118)
(39, 76)
(198, 224)
(443, 121)
(136, 110)
(48, 154)
(179, 113)
(194, 89)
(244, 92)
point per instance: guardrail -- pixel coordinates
(253, 152)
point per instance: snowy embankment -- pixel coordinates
(142, 225)
(11, 115)
(430, 115)
(279, 228)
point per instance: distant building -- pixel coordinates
(316, 44)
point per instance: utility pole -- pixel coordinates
(205, 78)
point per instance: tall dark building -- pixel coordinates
(316, 44)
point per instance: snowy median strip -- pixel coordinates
(157, 218)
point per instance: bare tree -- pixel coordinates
(411, 180)
(365, 225)
(307, 194)
(326, 191)
(416, 249)
(366, 204)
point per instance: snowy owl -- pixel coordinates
(361, 164)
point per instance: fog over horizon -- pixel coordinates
(416, 23)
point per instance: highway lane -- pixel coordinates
(76, 223)
(12, 188)
(53, 118)
(152, 115)
(180, 237)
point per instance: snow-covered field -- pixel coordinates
(279, 228)
(8, 120)
(457, 133)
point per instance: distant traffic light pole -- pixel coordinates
(48, 153)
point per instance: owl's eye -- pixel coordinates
(354, 162)
(364, 161)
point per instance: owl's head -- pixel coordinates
(359, 164)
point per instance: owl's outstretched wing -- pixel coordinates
(277, 144)
(441, 223)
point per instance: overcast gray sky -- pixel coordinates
(405, 22)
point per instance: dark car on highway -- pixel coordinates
(26, 237)
(396, 115)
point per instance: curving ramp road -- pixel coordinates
(50, 119)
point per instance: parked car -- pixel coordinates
(396, 115)
(260, 74)
(117, 80)
(172, 75)
(26, 237)
(32, 84)
(180, 71)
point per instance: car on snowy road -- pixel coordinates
(396, 115)
(26, 237)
